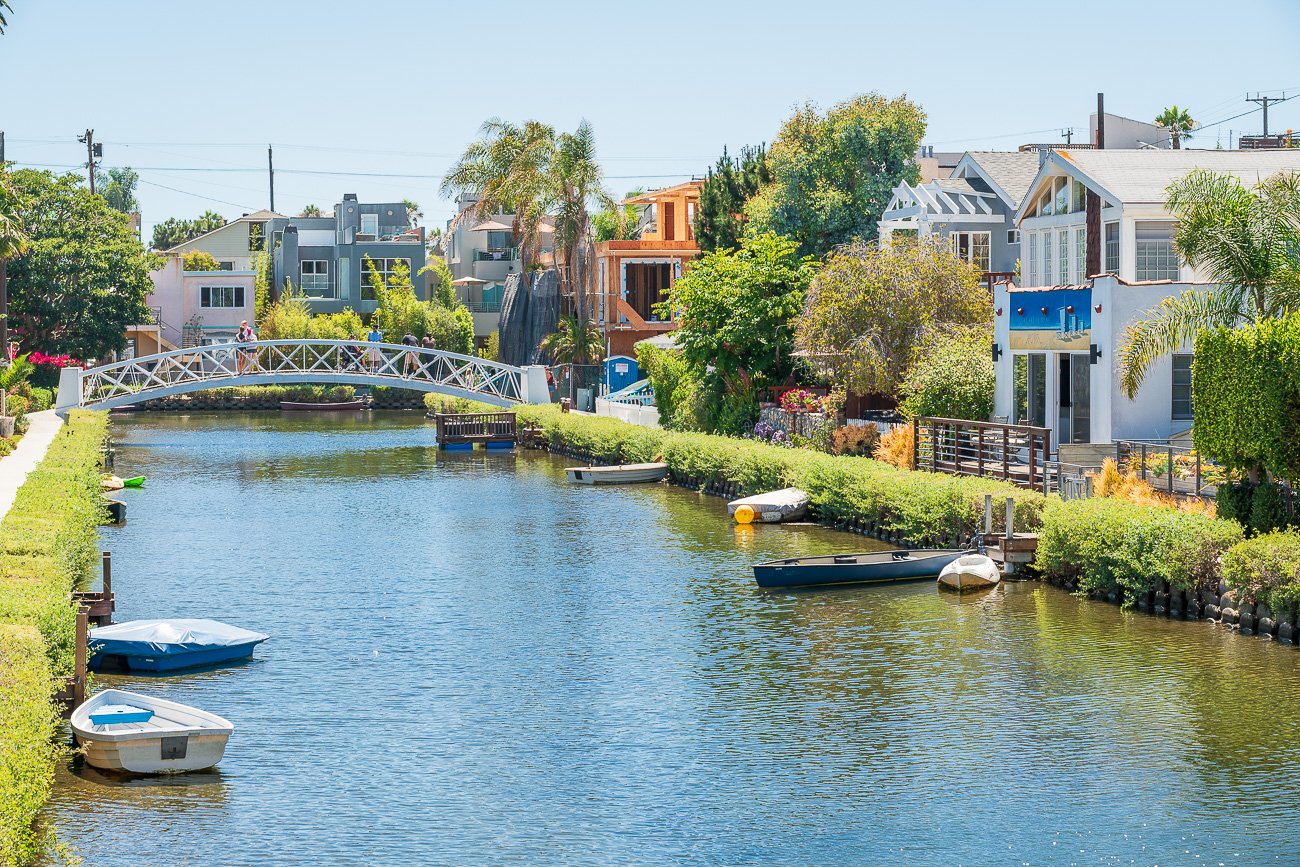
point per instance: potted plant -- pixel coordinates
(11, 376)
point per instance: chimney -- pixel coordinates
(349, 197)
(1101, 121)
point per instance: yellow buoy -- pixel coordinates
(745, 514)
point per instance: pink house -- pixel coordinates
(192, 308)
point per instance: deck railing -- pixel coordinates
(475, 427)
(1170, 468)
(1016, 453)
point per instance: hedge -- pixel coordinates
(919, 507)
(1266, 569)
(1246, 388)
(47, 549)
(1107, 545)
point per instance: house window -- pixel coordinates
(1182, 394)
(1081, 253)
(277, 238)
(1031, 261)
(1062, 188)
(221, 296)
(386, 268)
(256, 237)
(1013, 236)
(1063, 255)
(972, 247)
(1154, 256)
(1080, 194)
(314, 278)
(226, 266)
(1112, 248)
(1047, 259)
(1045, 203)
(370, 224)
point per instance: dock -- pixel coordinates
(461, 431)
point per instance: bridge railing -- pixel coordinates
(308, 360)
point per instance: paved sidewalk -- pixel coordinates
(31, 449)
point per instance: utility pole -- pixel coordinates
(1069, 135)
(2, 148)
(1101, 121)
(92, 151)
(270, 171)
(1266, 101)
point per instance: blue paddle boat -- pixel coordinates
(169, 645)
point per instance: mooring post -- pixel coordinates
(988, 515)
(108, 574)
(1011, 518)
(79, 669)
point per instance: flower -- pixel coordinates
(57, 361)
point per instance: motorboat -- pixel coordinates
(873, 567)
(970, 572)
(620, 474)
(139, 734)
(169, 645)
(339, 406)
(787, 504)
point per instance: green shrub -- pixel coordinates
(1266, 569)
(1107, 544)
(951, 376)
(442, 403)
(28, 725)
(1232, 502)
(1268, 511)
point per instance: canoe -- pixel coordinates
(169, 645)
(111, 483)
(342, 406)
(969, 572)
(622, 474)
(787, 504)
(116, 509)
(135, 482)
(139, 734)
(875, 567)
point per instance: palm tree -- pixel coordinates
(4, 4)
(1243, 239)
(310, 211)
(13, 243)
(574, 341)
(1179, 123)
(575, 183)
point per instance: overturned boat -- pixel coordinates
(787, 504)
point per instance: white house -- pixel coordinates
(1097, 253)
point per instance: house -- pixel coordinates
(235, 244)
(192, 308)
(972, 208)
(325, 257)
(635, 275)
(482, 254)
(1097, 253)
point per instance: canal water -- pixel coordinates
(474, 662)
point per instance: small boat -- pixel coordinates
(969, 572)
(134, 482)
(139, 734)
(340, 406)
(874, 567)
(112, 483)
(622, 474)
(116, 510)
(787, 504)
(169, 645)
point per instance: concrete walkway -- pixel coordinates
(14, 467)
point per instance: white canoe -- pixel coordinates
(787, 504)
(139, 734)
(969, 572)
(622, 474)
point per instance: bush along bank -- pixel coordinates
(47, 549)
(852, 493)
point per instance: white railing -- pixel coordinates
(270, 362)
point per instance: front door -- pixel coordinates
(1075, 399)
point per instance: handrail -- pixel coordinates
(1015, 453)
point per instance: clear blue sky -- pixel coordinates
(400, 88)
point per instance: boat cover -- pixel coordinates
(787, 501)
(181, 635)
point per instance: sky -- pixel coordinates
(379, 98)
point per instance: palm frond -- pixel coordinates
(1171, 325)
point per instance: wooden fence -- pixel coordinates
(1016, 453)
(475, 427)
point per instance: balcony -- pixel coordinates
(506, 254)
(483, 306)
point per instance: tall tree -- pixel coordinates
(172, 231)
(720, 218)
(574, 339)
(573, 182)
(13, 243)
(117, 186)
(833, 174)
(1179, 123)
(311, 211)
(1244, 239)
(85, 275)
(4, 22)
(413, 212)
(870, 306)
(616, 222)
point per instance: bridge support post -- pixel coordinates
(69, 396)
(535, 389)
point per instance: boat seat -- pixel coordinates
(900, 555)
(847, 558)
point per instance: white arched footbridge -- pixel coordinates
(284, 362)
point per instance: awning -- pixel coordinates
(492, 226)
(468, 281)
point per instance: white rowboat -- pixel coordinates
(622, 474)
(787, 504)
(139, 734)
(969, 572)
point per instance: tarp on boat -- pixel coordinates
(787, 504)
(181, 635)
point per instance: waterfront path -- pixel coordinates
(14, 467)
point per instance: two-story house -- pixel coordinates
(633, 276)
(1097, 246)
(192, 308)
(235, 244)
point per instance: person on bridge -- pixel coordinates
(412, 362)
(374, 355)
(245, 356)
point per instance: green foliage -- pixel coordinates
(574, 342)
(616, 222)
(492, 352)
(446, 405)
(118, 188)
(736, 311)
(1107, 544)
(870, 307)
(84, 277)
(951, 375)
(667, 372)
(1268, 509)
(1246, 390)
(1266, 569)
(1232, 502)
(441, 290)
(400, 313)
(833, 174)
(918, 506)
(304, 393)
(311, 211)
(1179, 122)
(28, 727)
(197, 260)
(720, 218)
(263, 267)
(172, 231)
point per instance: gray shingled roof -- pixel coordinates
(1143, 175)
(1013, 171)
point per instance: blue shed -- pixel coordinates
(620, 372)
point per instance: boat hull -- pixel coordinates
(171, 738)
(145, 756)
(788, 504)
(342, 406)
(175, 658)
(624, 474)
(970, 572)
(883, 567)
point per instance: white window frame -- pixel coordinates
(1030, 260)
(1013, 236)
(1175, 386)
(315, 287)
(235, 292)
(1048, 250)
(1081, 252)
(1063, 256)
(374, 231)
(1109, 265)
(384, 265)
(955, 239)
(1154, 259)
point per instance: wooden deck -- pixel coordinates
(1016, 453)
(476, 427)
